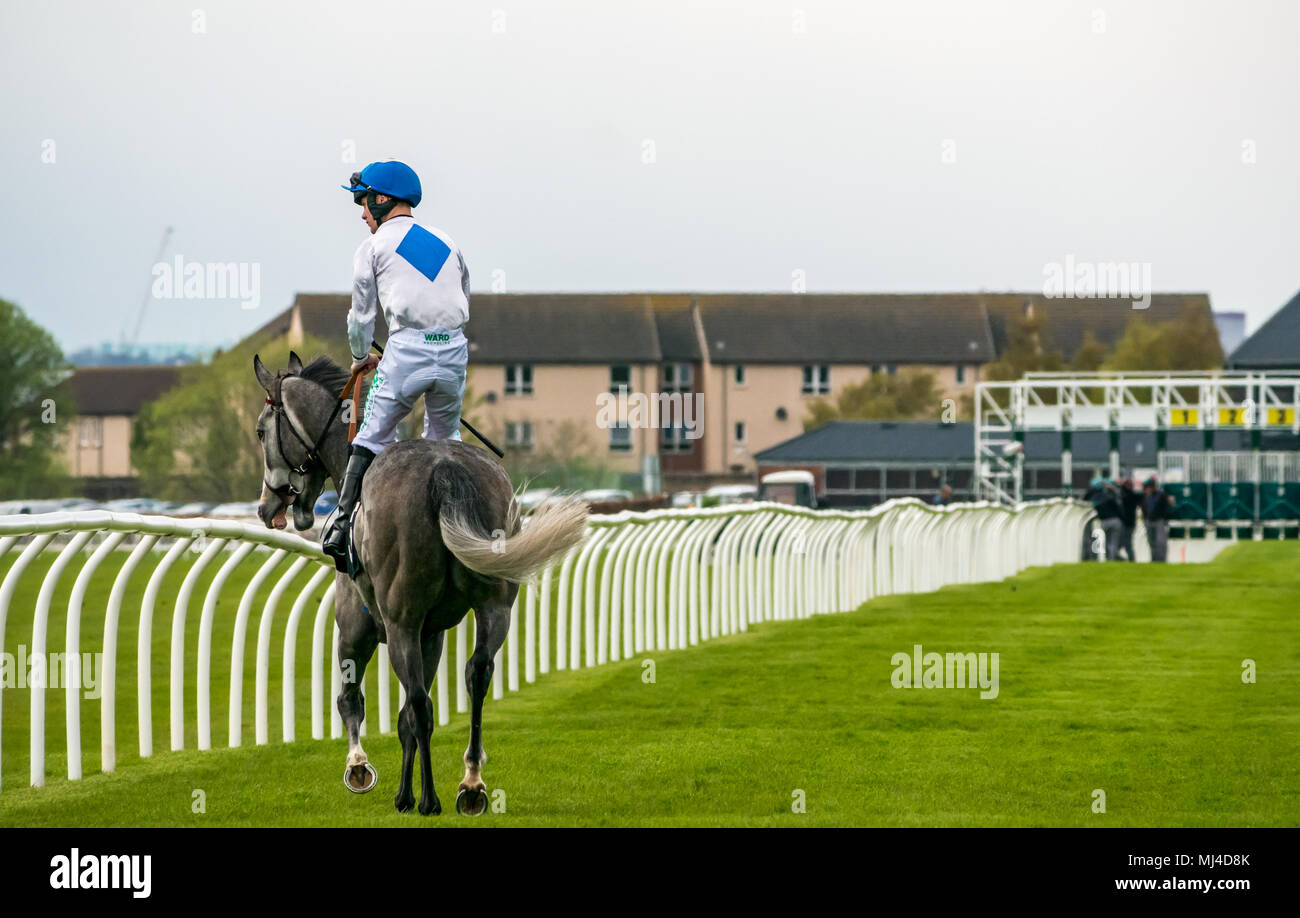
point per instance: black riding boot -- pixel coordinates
(335, 541)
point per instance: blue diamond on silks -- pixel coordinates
(424, 251)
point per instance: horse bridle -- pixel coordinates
(276, 400)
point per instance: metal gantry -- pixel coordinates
(1113, 402)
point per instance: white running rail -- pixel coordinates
(650, 581)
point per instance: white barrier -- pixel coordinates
(649, 581)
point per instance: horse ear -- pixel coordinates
(295, 363)
(264, 376)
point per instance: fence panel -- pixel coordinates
(639, 581)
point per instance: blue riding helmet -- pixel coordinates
(397, 180)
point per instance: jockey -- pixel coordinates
(418, 275)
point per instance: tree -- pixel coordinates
(566, 459)
(910, 393)
(1189, 342)
(1025, 351)
(1090, 356)
(34, 397)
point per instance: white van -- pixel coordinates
(794, 487)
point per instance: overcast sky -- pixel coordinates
(785, 136)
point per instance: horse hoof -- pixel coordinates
(471, 801)
(431, 809)
(360, 779)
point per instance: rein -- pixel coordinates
(312, 450)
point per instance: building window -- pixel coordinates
(620, 377)
(519, 435)
(519, 379)
(891, 368)
(740, 374)
(677, 377)
(866, 480)
(90, 431)
(740, 431)
(961, 373)
(673, 440)
(620, 439)
(839, 479)
(817, 379)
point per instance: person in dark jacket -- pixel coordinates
(1129, 499)
(1157, 506)
(1105, 500)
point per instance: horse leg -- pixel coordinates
(415, 722)
(358, 639)
(491, 623)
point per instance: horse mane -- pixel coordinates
(326, 373)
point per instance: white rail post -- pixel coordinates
(179, 614)
(562, 599)
(144, 645)
(235, 716)
(512, 648)
(318, 662)
(72, 652)
(290, 649)
(642, 635)
(530, 629)
(588, 607)
(261, 713)
(206, 618)
(336, 685)
(383, 679)
(108, 681)
(607, 622)
(34, 548)
(444, 706)
(39, 661)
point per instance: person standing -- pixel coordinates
(1105, 500)
(1129, 499)
(1157, 507)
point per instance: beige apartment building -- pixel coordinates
(541, 364)
(97, 445)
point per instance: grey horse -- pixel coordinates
(438, 532)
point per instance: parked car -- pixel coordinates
(30, 506)
(605, 495)
(720, 495)
(75, 504)
(146, 505)
(533, 498)
(241, 509)
(687, 499)
(795, 487)
(197, 508)
(326, 503)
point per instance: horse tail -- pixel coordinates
(513, 553)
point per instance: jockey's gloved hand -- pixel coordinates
(367, 363)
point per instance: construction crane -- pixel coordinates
(148, 293)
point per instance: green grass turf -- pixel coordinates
(1116, 677)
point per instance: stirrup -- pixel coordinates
(334, 526)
